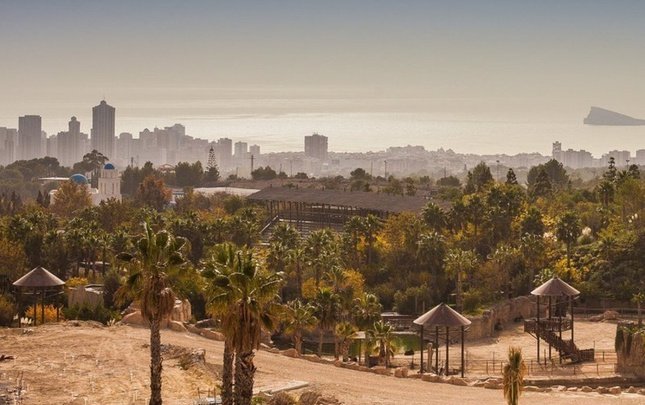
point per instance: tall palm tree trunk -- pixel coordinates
(299, 278)
(244, 376)
(320, 342)
(155, 362)
(298, 342)
(227, 374)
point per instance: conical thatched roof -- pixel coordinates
(555, 288)
(442, 315)
(39, 278)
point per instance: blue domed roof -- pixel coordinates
(108, 166)
(79, 179)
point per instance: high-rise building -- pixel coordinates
(316, 146)
(223, 154)
(640, 157)
(241, 149)
(70, 144)
(255, 151)
(103, 129)
(30, 137)
(8, 145)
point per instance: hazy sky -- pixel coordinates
(58, 52)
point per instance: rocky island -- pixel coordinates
(601, 116)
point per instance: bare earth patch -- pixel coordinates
(87, 364)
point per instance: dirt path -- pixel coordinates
(95, 365)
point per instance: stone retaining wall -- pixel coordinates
(503, 313)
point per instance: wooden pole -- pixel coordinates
(35, 305)
(447, 347)
(571, 301)
(436, 345)
(537, 329)
(421, 369)
(42, 307)
(462, 351)
(550, 311)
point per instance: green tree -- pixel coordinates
(511, 179)
(532, 223)
(383, 334)
(639, 298)
(567, 231)
(299, 317)
(189, 175)
(153, 193)
(221, 304)
(513, 376)
(156, 253)
(70, 197)
(557, 175)
(434, 217)
(327, 311)
(249, 296)
(459, 265)
(541, 187)
(344, 333)
(480, 178)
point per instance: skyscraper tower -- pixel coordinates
(30, 137)
(103, 129)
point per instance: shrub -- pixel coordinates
(91, 313)
(282, 398)
(76, 282)
(50, 313)
(7, 310)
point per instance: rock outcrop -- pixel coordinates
(601, 116)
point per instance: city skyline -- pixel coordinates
(464, 75)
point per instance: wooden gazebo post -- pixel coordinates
(422, 344)
(557, 288)
(39, 279)
(444, 316)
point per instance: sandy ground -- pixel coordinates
(64, 364)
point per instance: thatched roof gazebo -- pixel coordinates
(445, 317)
(550, 329)
(39, 280)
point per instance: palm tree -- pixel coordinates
(639, 298)
(383, 335)
(434, 217)
(344, 333)
(367, 310)
(253, 295)
(353, 230)
(156, 253)
(321, 253)
(298, 318)
(514, 372)
(459, 263)
(327, 309)
(221, 303)
(297, 256)
(371, 226)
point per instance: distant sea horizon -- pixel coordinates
(354, 124)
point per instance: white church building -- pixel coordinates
(109, 185)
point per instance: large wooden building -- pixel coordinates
(308, 209)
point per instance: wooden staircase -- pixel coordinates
(546, 330)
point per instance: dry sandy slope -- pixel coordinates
(67, 364)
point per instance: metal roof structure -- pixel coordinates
(39, 278)
(442, 315)
(356, 199)
(555, 288)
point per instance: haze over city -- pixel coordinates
(477, 77)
